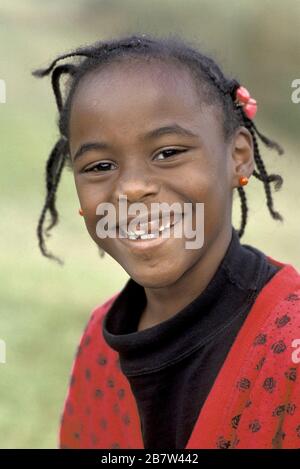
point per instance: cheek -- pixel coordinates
(202, 183)
(91, 192)
(209, 186)
(90, 196)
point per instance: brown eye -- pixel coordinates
(99, 167)
(170, 152)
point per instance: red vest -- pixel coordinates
(254, 401)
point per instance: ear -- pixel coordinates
(242, 155)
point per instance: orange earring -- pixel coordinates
(243, 180)
(80, 211)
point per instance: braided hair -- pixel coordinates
(215, 89)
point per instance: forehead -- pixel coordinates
(151, 78)
(131, 96)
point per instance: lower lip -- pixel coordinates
(145, 244)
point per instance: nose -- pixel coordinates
(137, 185)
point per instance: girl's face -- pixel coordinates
(115, 109)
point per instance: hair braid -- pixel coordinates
(54, 169)
(244, 211)
(263, 175)
(57, 72)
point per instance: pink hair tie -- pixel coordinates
(244, 99)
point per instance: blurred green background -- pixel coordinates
(45, 307)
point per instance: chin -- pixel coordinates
(155, 278)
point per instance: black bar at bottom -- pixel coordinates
(145, 458)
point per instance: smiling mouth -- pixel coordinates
(148, 231)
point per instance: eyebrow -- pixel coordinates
(155, 133)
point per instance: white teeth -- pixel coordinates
(142, 234)
(148, 236)
(136, 233)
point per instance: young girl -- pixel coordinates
(199, 349)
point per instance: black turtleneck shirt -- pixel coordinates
(171, 367)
